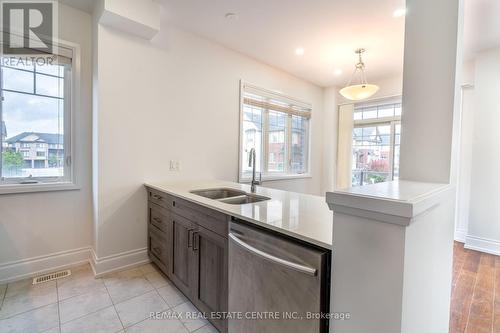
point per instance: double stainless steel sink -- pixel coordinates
(230, 196)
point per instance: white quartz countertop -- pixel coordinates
(403, 190)
(396, 201)
(301, 216)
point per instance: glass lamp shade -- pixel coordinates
(359, 91)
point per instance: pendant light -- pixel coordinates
(363, 90)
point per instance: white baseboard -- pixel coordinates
(460, 235)
(482, 244)
(30, 267)
(25, 268)
(118, 262)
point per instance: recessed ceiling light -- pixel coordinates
(231, 16)
(337, 72)
(299, 51)
(399, 12)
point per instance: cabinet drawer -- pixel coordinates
(160, 198)
(158, 246)
(207, 218)
(159, 217)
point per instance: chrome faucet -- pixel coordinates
(251, 163)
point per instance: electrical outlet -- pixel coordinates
(175, 165)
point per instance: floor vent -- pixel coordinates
(51, 276)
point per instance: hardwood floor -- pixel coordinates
(475, 300)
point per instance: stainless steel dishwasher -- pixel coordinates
(275, 284)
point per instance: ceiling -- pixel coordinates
(329, 31)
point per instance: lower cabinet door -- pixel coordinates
(182, 255)
(210, 288)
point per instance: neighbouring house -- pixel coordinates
(39, 150)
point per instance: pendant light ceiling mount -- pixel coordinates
(360, 65)
(362, 90)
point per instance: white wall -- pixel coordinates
(41, 224)
(390, 86)
(175, 98)
(484, 226)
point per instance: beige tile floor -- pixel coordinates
(119, 302)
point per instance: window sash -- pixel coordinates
(68, 172)
(380, 112)
(287, 159)
(378, 109)
(392, 143)
(293, 108)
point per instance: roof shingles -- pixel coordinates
(37, 137)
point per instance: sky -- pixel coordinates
(30, 113)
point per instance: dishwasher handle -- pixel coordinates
(300, 268)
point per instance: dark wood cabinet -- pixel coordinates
(188, 242)
(158, 249)
(210, 272)
(182, 257)
(159, 236)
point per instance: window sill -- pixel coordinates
(268, 178)
(33, 188)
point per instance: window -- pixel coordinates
(35, 116)
(376, 140)
(277, 127)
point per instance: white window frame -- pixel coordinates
(392, 121)
(246, 177)
(72, 106)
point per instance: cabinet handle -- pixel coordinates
(157, 220)
(157, 197)
(157, 250)
(196, 246)
(190, 237)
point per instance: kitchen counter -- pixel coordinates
(302, 216)
(397, 202)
